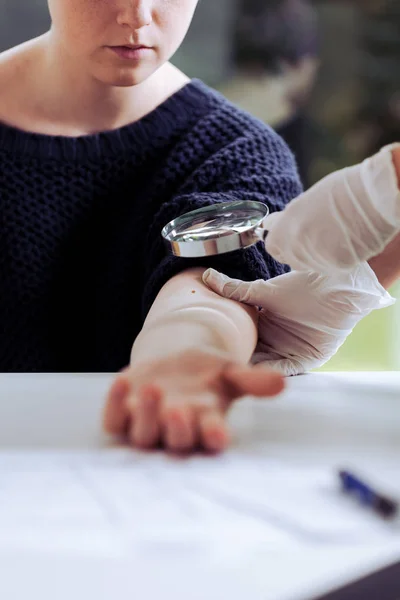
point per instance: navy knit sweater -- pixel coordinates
(81, 255)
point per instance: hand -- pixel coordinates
(345, 219)
(304, 317)
(181, 401)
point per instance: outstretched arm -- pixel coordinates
(190, 360)
(187, 315)
(187, 366)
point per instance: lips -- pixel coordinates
(131, 52)
(131, 47)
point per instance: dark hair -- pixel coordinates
(271, 31)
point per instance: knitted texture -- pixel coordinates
(81, 253)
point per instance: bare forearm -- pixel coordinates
(187, 315)
(387, 264)
(396, 162)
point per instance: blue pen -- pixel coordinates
(383, 505)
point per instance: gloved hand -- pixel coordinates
(348, 217)
(304, 317)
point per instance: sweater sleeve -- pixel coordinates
(257, 166)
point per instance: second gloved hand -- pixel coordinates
(346, 218)
(304, 317)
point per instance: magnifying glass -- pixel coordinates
(216, 229)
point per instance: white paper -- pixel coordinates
(118, 502)
(115, 502)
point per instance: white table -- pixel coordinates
(322, 422)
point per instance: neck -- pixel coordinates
(78, 104)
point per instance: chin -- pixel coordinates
(126, 77)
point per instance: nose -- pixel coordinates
(135, 14)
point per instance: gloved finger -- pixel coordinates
(288, 367)
(145, 427)
(248, 292)
(272, 220)
(226, 286)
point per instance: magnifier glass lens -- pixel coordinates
(215, 229)
(212, 228)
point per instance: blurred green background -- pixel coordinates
(374, 344)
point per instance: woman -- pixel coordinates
(102, 142)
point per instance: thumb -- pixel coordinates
(249, 292)
(253, 381)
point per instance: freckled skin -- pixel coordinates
(84, 28)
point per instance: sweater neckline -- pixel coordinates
(171, 115)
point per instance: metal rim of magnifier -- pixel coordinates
(230, 241)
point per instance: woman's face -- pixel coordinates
(97, 35)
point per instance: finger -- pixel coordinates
(145, 427)
(244, 381)
(254, 293)
(179, 431)
(226, 286)
(213, 431)
(116, 413)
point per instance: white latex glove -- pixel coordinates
(304, 317)
(346, 218)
